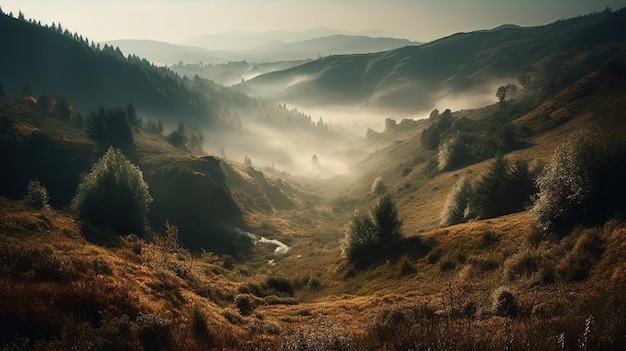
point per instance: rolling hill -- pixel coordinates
(56, 63)
(238, 40)
(162, 53)
(413, 78)
(490, 283)
(165, 54)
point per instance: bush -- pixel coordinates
(503, 302)
(114, 194)
(244, 304)
(361, 238)
(524, 263)
(577, 264)
(583, 183)
(387, 220)
(280, 285)
(456, 207)
(503, 188)
(37, 195)
(371, 236)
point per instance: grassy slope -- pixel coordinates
(47, 262)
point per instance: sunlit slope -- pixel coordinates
(406, 167)
(413, 78)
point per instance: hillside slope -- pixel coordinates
(413, 78)
(54, 64)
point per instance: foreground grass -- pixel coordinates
(61, 291)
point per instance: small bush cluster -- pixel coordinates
(504, 188)
(461, 141)
(37, 195)
(583, 183)
(523, 263)
(370, 237)
(503, 302)
(579, 261)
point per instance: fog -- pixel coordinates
(289, 150)
(479, 96)
(303, 152)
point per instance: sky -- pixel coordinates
(175, 20)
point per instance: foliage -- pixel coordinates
(170, 241)
(114, 194)
(37, 195)
(583, 183)
(280, 285)
(502, 189)
(177, 137)
(456, 207)
(501, 95)
(378, 186)
(110, 126)
(503, 302)
(244, 304)
(371, 236)
(387, 220)
(361, 239)
(577, 264)
(453, 153)
(523, 263)
(431, 136)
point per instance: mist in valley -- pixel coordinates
(338, 137)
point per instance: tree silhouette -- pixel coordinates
(501, 95)
(177, 137)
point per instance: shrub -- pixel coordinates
(453, 154)
(387, 220)
(281, 285)
(456, 208)
(577, 264)
(503, 302)
(503, 188)
(37, 195)
(372, 236)
(169, 242)
(114, 194)
(522, 264)
(378, 186)
(583, 183)
(361, 238)
(244, 304)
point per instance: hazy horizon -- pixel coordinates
(175, 21)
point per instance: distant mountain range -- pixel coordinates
(238, 40)
(413, 78)
(260, 52)
(162, 53)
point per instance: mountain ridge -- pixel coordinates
(410, 79)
